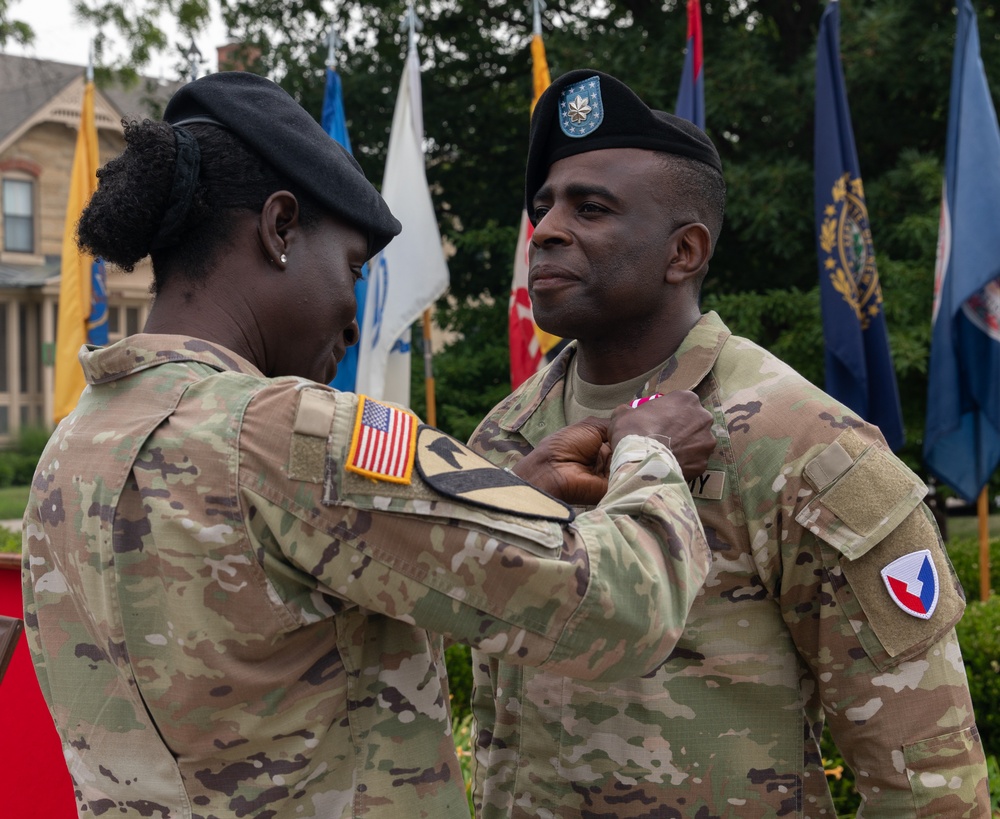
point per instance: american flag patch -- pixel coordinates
(383, 442)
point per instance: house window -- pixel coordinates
(4, 379)
(19, 215)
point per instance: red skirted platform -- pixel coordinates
(34, 782)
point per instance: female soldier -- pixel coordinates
(234, 576)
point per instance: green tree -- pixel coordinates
(759, 78)
(11, 30)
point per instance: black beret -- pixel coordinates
(586, 110)
(281, 132)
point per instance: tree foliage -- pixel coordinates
(11, 30)
(759, 80)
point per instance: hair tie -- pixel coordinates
(186, 166)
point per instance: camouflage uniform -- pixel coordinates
(225, 622)
(802, 505)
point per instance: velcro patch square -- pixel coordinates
(383, 442)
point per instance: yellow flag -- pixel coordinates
(75, 281)
(539, 68)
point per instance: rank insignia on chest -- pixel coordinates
(383, 442)
(581, 108)
(912, 583)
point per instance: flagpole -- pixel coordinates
(536, 14)
(984, 544)
(333, 42)
(431, 412)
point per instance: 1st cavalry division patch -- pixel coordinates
(383, 442)
(457, 472)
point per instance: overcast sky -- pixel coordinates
(59, 36)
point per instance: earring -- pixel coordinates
(283, 259)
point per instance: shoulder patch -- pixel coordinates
(912, 583)
(382, 443)
(927, 599)
(455, 471)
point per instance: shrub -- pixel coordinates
(839, 777)
(7, 469)
(31, 441)
(16, 469)
(964, 554)
(458, 658)
(979, 636)
(9, 541)
(17, 465)
(462, 731)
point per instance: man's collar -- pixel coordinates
(696, 356)
(684, 370)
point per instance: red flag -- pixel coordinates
(528, 344)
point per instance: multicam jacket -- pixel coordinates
(225, 621)
(803, 506)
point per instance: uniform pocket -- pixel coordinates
(947, 775)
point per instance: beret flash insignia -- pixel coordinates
(581, 109)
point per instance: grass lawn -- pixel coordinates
(968, 526)
(13, 499)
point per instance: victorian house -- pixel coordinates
(40, 104)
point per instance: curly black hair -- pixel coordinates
(122, 220)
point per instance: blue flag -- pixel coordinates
(333, 120)
(859, 370)
(335, 124)
(97, 323)
(962, 438)
(691, 95)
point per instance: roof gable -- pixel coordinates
(33, 91)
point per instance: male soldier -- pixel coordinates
(830, 595)
(236, 578)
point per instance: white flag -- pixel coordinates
(411, 273)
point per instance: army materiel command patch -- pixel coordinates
(581, 109)
(383, 442)
(457, 472)
(912, 583)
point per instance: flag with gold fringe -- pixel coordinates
(859, 368)
(962, 436)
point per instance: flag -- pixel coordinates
(530, 346)
(383, 442)
(962, 436)
(97, 324)
(859, 369)
(332, 119)
(411, 273)
(76, 279)
(691, 94)
(335, 124)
